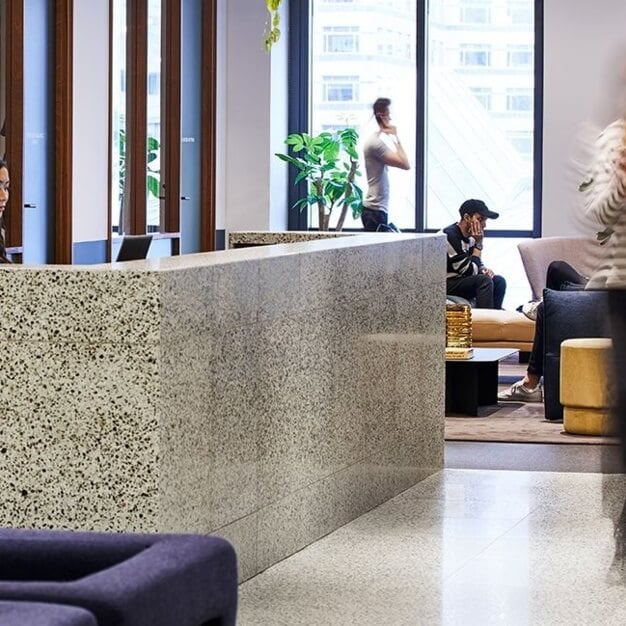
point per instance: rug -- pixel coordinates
(515, 429)
(514, 422)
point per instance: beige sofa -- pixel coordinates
(509, 329)
(493, 328)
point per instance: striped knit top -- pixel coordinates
(605, 202)
(460, 259)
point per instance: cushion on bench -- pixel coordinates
(497, 328)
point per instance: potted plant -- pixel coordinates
(329, 163)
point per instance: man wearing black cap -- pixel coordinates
(467, 276)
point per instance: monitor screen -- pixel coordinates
(134, 247)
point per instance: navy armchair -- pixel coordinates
(123, 579)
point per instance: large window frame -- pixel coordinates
(299, 114)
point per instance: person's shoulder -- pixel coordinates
(373, 141)
(613, 131)
(452, 229)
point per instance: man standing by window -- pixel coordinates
(382, 149)
(467, 276)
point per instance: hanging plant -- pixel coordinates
(272, 30)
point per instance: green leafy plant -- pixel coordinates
(152, 175)
(153, 183)
(272, 30)
(329, 162)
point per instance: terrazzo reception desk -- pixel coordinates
(268, 395)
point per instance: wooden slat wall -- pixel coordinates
(14, 123)
(136, 116)
(208, 122)
(63, 124)
(171, 116)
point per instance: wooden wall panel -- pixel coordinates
(136, 116)
(171, 115)
(208, 122)
(14, 123)
(63, 124)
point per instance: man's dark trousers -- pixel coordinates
(489, 292)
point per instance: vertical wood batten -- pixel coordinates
(63, 107)
(208, 126)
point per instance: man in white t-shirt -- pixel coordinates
(381, 150)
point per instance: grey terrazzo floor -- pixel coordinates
(465, 546)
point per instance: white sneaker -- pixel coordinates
(530, 310)
(518, 392)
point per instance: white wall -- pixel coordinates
(91, 120)
(252, 131)
(582, 40)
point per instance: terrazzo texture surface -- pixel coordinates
(462, 547)
(79, 394)
(293, 386)
(266, 237)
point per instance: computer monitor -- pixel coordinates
(134, 247)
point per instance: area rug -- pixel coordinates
(515, 423)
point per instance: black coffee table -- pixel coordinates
(471, 383)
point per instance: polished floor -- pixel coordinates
(468, 546)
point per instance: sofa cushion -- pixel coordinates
(489, 325)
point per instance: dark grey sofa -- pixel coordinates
(568, 315)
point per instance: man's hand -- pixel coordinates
(389, 129)
(486, 270)
(476, 229)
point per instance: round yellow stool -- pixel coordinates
(586, 386)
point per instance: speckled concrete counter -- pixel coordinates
(243, 238)
(267, 394)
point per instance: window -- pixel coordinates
(473, 120)
(519, 56)
(519, 100)
(475, 14)
(475, 55)
(523, 143)
(340, 88)
(382, 64)
(483, 95)
(521, 13)
(341, 39)
(480, 124)
(154, 84)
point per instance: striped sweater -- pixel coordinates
(461, 261)
(605, 201)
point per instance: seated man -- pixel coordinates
(560, 275)
(467, 276)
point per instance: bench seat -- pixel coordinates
(496, 328)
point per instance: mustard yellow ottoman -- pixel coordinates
(586, 386)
